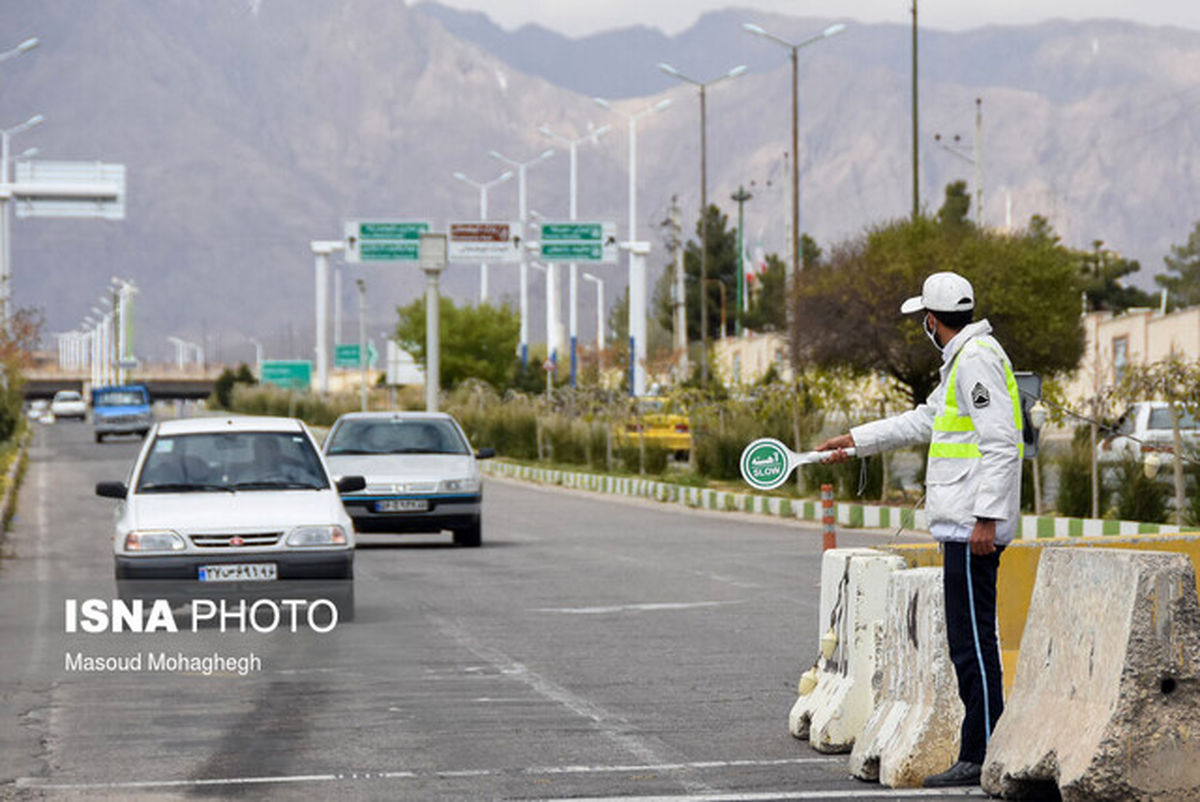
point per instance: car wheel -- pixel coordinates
(470, 537)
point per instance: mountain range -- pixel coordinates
(250, 127)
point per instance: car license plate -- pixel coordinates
(402, 505)
(238, 572)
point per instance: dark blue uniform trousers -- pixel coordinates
(969, 582)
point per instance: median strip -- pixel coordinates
(850, 515)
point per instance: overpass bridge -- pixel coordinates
(165, 382)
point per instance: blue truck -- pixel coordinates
(121, 409)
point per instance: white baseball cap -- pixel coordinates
(942, 292)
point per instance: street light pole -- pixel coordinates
(573, 291)
(794, 50)
(24, 47)
(637, 271)
(6, 214)
(703, 87)
(524, 274)
(483, 187)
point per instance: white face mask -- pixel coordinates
(931, 332)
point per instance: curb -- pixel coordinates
(12, 483)
(849, 515)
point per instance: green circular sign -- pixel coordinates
(765, 464)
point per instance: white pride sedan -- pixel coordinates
(232, 506)
(421, 474)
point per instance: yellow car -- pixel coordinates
(659, 426)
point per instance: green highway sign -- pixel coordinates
(375, 231)
(389, 251)
(347, 356)
(384, 240)
(572, 231)
(588, 241)
(291, 374)
(572, 251)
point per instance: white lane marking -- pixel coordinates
(32, 782)
(35, 782)
(764, 796)
(633, 608)
(611, 726)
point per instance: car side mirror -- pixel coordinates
(351, 484)
(485, 453)
(111, 490)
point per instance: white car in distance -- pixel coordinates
(68, 404)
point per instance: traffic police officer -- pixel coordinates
(972, 422)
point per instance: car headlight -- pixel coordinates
(459, 485)
(317, 536)
(154, 541)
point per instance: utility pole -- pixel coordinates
(916, 196)
(979, 162)
(741, 196)
(680, 310)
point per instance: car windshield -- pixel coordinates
(396, 436)
(119, 398)
(1160, 418)
(223, 461)
(67, 396)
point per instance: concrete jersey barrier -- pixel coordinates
(913, 730)
(853, 595)
(1104, 703)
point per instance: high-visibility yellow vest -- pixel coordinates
(954, 434)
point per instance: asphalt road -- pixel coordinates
(591, 649)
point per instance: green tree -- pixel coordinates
(1103, 271)
(848, 308)
(955, 207)
(1184, 263)
(476, 341)
(222, 394)
(768, 304)
(722, 270)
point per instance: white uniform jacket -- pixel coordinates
(958, 491)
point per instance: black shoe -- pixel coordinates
(961, 773)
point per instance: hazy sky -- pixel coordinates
(577, 17)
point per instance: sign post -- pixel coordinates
(433, 262)
(766, 463)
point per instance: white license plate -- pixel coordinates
(238, 572)
(402, 505)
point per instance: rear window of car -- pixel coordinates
(120, 398)
(216, 461)
(396, 436)
(1160, 418)
(67, 395)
